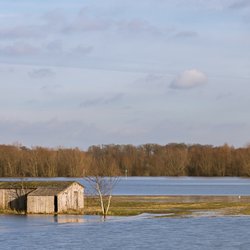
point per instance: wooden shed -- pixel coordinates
(42, 196)
(59, 199)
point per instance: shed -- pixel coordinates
(42, 196)
(56, 199)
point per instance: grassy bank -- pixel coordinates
(11, 211)
(134, 205)
(166, 205)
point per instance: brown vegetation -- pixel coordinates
(169, 206)
(144, 160)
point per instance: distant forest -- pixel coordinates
(145, 160)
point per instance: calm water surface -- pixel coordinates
(183, 186)
(173, 185)
(139, 232)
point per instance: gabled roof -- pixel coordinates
(45, 191)
(35, 184)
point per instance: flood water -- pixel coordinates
(171, 185)
(182, 186)
(145, 231)
(136, 232)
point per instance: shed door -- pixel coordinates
(55, 204)
(75, 199)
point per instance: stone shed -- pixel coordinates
(42, 196)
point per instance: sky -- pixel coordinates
(81, 73)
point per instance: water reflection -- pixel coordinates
(68, 219)
(63, 219)
(140, 232)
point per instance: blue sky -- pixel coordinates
(78, 73)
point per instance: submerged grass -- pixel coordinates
(135, 205)
(11, 211)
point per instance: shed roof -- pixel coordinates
(35, 184)
(45, 191)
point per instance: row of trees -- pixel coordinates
(144, 160)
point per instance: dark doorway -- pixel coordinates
(75, 200)
(55, 204)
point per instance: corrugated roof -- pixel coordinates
(35, 184)
(44, 191)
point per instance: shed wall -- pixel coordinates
(40, 204)
(71, 198)
(2, 198)
(14, 198)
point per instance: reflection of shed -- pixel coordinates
(42, 197)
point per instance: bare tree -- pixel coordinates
(103, 177)
(103, 188)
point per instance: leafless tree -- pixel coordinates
(102, 179)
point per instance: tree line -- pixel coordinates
(119, 160)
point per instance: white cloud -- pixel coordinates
(189, 79)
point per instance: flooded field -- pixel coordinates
(170, 185)
(203, 230)
(206, 232)
(183, 186)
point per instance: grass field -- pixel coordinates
(165, 206)
(134, 205)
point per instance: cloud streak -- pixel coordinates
(41, 73)
(186, 34)
(102, 100)
(19, 49)
(17, 32)
(240, 5)
(49, 133)
(82, 50)
(84, 23)
(137, 26)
